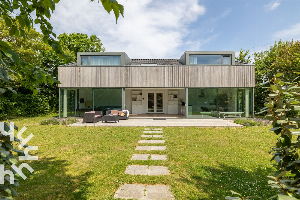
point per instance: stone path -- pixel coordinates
(140, 191)
(151, 148)
(155, 136)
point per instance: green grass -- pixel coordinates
(89, 162)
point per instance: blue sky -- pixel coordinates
(165, 29)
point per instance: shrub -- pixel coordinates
(252, 122)
(54, 121)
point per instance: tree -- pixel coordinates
(79, 42)
(24, 10)
(18, 16)
(244, 56)
(282, 57)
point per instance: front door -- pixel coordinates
(155, 102)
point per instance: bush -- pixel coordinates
(252, 122)
(54, 121)
(25, 105)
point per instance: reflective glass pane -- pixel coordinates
(202, 101)
(159, 102)
(84, 60)
(107, 99)
(206, 59)
(105, 60)
(226, 60)
(150, 102)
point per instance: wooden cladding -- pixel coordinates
(157, 76)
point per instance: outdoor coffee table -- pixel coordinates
(110, 118)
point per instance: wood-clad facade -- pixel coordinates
(156, 76)
(198, 85)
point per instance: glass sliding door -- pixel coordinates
(150, 102)
(159, 102)
(155, 102)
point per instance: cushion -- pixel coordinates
(114, 112)
(122, 114)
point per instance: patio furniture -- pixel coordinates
(89, 117)
(124, 114)
(107, 118)
(92, 116)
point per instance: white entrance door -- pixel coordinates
(155, 102)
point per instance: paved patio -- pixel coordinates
(163, 122)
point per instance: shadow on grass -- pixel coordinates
(51, 181)
(216, 183)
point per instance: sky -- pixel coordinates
(167, 28)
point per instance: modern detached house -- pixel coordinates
(201, 84)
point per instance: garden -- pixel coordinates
(89, 162)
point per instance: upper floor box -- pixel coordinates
(208, 58)
(102, 59)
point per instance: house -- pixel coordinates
(201, 84)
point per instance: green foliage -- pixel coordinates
(55, 121)
(244, 56)
(281, 57)
(79, 42)
(251, 122)
(18, 104)
(283, 103)
(8, 159)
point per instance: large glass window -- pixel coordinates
(202, 101)
(100, 60)
(214, 102)
(107, 99)
(210, 59)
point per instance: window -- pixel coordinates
(210, 59)
(100, 60)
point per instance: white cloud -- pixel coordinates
(287, 34)
(149, 29)
(272, 5)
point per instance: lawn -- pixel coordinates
(89, 162)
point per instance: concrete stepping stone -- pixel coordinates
(146, 170)
(148, 157)
(147, 192)
(151, 148)
(140, 157)
(158, 157)
(158, 170)
(152, 132)
(155, 136)
(137, 170)
(154, 129)
(152, 141)
(158, 192)
(130, 191)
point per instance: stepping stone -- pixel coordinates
(151, 148)
(158, 157)
(130, 191)
(147, 170)
(156, 136)
(140, 157)
(158, 192)
(148, 157)
(158, 170)
(152, 132)
(158, 148)
(154, 129)
(143, 148)
(152, 141)
(147, 192)
(137, 170)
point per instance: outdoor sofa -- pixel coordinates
(92, 116)
(123, 114)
